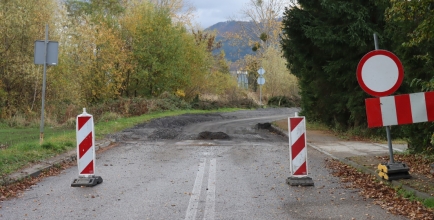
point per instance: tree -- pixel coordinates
(208, 38)
(410, 25)
(278, 81)
(98, 49)
(166, 57)
(265, 16)
(20, 81)
(416, 19)
(323, 41)
(100, 62)
(262, 34)
(181, 11)
(99, 10)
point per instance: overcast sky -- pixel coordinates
(209, 12)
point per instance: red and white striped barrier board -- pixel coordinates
(297, 146)
(86, 144)
(400, 109)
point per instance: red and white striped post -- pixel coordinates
(86, 151)
(298, 152)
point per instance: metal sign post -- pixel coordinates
(46, 53)
(261, 81)
(380, 73)
(389, 141)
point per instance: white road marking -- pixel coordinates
(193, 205)
(194, 199)
(210, 195)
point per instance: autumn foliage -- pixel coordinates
(108, 50)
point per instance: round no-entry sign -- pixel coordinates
(380, 73)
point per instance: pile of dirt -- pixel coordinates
(167, 128)
(179, 121)
(208, 135)
(266, 126)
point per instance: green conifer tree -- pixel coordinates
(323, 41)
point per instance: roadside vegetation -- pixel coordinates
(125, 62)
(323, 43)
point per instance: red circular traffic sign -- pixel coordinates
(380, 73)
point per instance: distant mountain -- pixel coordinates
(227, 26)
(233, 53)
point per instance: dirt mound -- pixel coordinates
(167, 128)
(179, 121)
(164, 134)
(266, 126)
(208, 135)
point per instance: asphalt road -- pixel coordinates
(155, 174)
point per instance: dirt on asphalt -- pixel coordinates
(167, 128)
(171, 128)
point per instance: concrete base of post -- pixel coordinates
(86, 181)
(393, 171)
(300, 181)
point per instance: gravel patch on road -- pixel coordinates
(170, 128)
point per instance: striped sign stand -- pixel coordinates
(86, 151)
(298, 152)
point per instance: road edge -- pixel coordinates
(358, 166)
(36, 169)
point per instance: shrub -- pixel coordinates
(110, 116)
(70, 123)
(281, 101)
(419, 137)
(18, 121)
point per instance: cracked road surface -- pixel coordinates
(163, 170)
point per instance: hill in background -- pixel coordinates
(233, 52)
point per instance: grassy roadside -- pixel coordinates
(20, 147)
